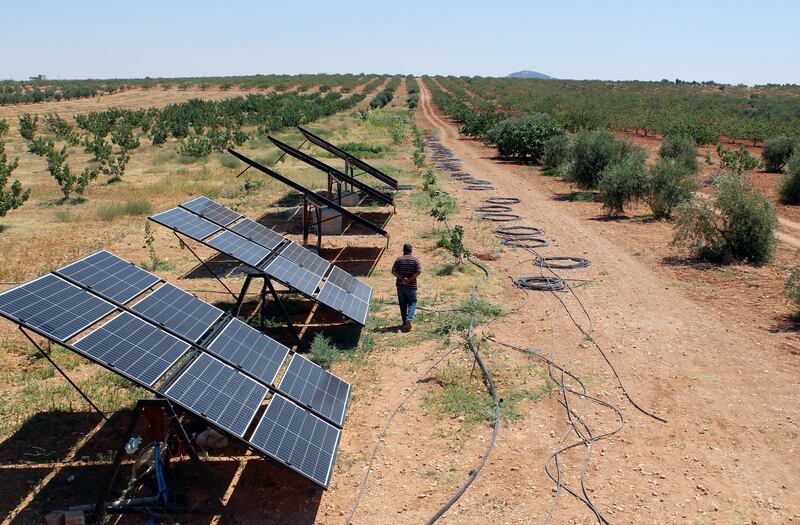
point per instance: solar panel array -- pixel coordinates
(225, 381)
(271, 253)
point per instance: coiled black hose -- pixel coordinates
(544, 283)
(525, 241)
(502, 200)
(491, 208)
(516, 231)
(500, 217)
(552, 262)
(479, 188)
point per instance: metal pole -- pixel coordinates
(242, 294)
(205, 266)
(268, 282)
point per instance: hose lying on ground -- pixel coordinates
(500, 217)
(551, 262)
(492, 208)
(525, 241)
(502, 200)
(515, 231)
(547, 284)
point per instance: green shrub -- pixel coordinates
(323, 352)
(14, 196)
(680, 148)
(556, 153)
(668, 184)
(623, 182)
(3, 127)
(593, 152)
(27, 125)
(789, 188)
(129, 208)
(777, 151)
(700, 133)
(737, 161)
(229, 161)
(453, 242)
(523, 137)
(740, 226)
(793, 286)
(360, 149)
(195, 147)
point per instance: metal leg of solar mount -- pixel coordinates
(318, 213)
(71, 382)
(242, 294)
(268, 282)
(206, 266)
(100, 506)
(306, 227)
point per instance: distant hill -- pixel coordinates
(530, 74)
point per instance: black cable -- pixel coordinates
(515, 231)
(491, 208)
(500, 217)
(502, 200)
(577, 262)
(525, 241)
(546, 284)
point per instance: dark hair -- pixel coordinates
(406, 249)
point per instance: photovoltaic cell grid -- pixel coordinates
(134, 347)
(258, 233)
(249, 349)
(288, 272)
(239, 248)
(53, 306)
(316, 388)
(187, 223)
(218, 393)
(179, 311)
(298, 438)
(343, 302)
(110, 276)
(349, 284)
(305, 259)
(212, 211)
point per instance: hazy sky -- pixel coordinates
(731, 41)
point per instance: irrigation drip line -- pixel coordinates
(516, 231)
(525, 241)
(551, 262)
(479, 182)
(545, 284)
(502, 200)
(491, 208)
(500, 217)
(479, 188)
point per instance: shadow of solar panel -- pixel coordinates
(258, 233)
(212, 211)
(110, 276)
(300, 439)
(250, 350)
(219, 394)
(347, 304)
(239, 248)
(291, 274)
(305, 259)
(53, 306)
(350, 284)
(179, 311)
(186, 223)
(133, 347)
(316, 388)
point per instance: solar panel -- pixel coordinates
(212, 211)
(258, 233)
(133, 347)
(300, 439)
(305, 258)
(345, 303)
(218, 393)
(250, 350)
(186, 223)
(53, 306)
(179, 311)
(316, 388)
(291, 274)
(110, 276)
(239, 248)
(350, 284)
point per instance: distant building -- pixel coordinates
(38, 77)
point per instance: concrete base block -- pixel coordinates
(350, 200)
(331, 222)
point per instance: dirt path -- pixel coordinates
(727, 454)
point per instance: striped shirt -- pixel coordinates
(405, 267)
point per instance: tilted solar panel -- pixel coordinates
(300, 439)
(133, 347)
(305, 259)
(212, 211)
(250, 350)
(258, 233)
(239, 248)
(53, 306)
(349, 284)
(316, 388)
(186, 223)
(110, 276)
(218, 393)
(345, 303)
(179, 311)
(298, 278)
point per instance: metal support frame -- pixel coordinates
(172, 416)
(310, 207)
(267, 284)
(204, 264)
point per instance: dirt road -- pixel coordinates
(728, 452)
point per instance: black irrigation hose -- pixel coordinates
(479, 182)
(491, 208)
(500, 217)
(546, 284)
(525, 241)
(516, 231)
(479, 188)
(577, 262)
(502, 200)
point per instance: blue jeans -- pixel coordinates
(407, 297)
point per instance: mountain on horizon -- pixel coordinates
(530, 74)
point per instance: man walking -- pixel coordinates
(406, 269)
